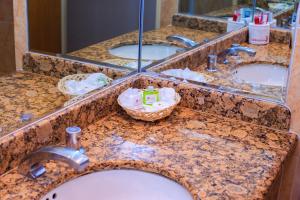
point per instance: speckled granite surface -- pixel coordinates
(60, 67)
(26, 93)
(280, 35)
(213, 157)
(207, 144)
(224, 103)
(50, 130)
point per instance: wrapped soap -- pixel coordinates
(131, 98)
(167, 95)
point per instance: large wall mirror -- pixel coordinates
(106, 33)
(257, 70)
(181, 25)
(86, 33)
(88, 30)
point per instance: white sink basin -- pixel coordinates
(150, 52)
(265, 74)
(120, 185)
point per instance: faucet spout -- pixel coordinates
(236, 49)
(32, 168)
(183, 40)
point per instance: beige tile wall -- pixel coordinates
(291, 180)
(167, 10)
(20, 26)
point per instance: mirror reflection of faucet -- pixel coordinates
(188, 43)
(234, 50)
(212, 63)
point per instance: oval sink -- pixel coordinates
(265, 74)
(188, 74)
(120, 185)
(150, 52)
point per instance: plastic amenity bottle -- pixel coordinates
(150, 96)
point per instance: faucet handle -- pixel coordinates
(73, 141)
(212, 63)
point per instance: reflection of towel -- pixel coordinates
(92, 82)
(185, 74)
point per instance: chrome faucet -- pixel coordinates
(212, 63)
(234, 50)
(31, 165)
(183, 40)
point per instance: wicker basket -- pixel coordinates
(151, 116)
(76, 77)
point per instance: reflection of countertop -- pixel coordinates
(213, 157)
(26, 93)
(100, 51)
(273, 53)
(228, 11)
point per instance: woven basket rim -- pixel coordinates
(178, 98)
(61, 84)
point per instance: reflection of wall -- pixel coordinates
(7, 50)
(20, 26)
(92, 21)
(200, 7)
(44, 18)
(166, 9)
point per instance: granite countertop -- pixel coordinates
(100, 51)
(27, 93)
(213, 157)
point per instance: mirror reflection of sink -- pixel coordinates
(150, 51)
(265, 74)
(120, 184)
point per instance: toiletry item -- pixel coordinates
(264, 18)
(270, 16)
(246, 12)
(131, 98)
(235, 17)
(259, 33)
(150, 96)
(256, 20)
(235, 25)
